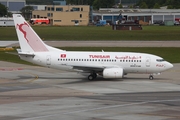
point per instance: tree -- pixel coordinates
(103, 4)
(172, 4)
(96, 4)
(143, 5)
(120, 6)
(170, 7)
(3, 10)
(156, 6)
(27, 11)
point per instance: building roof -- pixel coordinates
(12, 0)
(115, 10)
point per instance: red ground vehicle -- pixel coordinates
(177, 21)
(39, 21)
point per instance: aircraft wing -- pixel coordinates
(90, 68)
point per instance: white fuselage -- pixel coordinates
(106, 64)
(129, 62)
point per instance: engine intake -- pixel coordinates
(113, 73)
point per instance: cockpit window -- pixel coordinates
(160, 60)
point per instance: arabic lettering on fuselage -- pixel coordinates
(160, 65)
(100, 56)
(128, 57)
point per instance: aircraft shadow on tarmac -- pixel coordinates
(84, 79)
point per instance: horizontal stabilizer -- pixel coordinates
(25, 53)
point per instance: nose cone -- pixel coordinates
(169, 65)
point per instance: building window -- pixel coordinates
(75, 9)
(34, 16)
(48, 8)
(50, 14)
(75, 21)
(80, 15)
(52, 8)
(59, 9)
(57, 20)
(81, 9)
(38, 16)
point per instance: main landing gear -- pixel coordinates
(92, 76)
(151, 77)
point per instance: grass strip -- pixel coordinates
(97, 33)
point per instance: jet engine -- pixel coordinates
(113, 73)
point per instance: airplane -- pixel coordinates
(109, 65)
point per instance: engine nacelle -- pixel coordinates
(113, 73)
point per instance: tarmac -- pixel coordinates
(38, 93)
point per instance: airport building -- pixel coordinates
(14, 6)
(65, 15)
(150, 16)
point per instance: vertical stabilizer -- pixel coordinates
(28, 39)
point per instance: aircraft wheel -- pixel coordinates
(90, 77)
(151, 77)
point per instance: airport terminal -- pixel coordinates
(65, 15)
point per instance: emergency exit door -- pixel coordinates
(148, 62)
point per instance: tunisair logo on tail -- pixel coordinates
(31, 37)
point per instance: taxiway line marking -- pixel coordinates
(34, 79)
